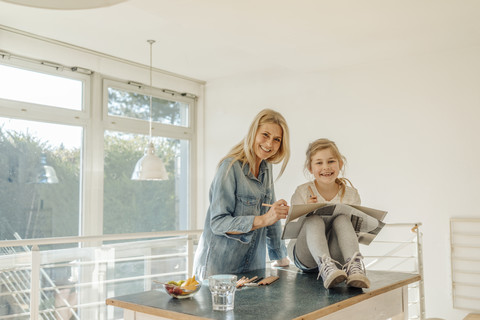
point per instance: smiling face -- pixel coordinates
(325, 167)
(267, 141)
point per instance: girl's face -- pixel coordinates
(267, 141)
(325, 167)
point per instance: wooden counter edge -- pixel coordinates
(346, 303)
(152, 311)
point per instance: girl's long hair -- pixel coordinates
(244, 150)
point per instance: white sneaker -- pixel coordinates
(331, 275)
(355, 270)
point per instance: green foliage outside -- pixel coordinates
(34, 210)
(53, 209)
(30, 209)
(138, 206)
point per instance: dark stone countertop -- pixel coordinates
(293, 295)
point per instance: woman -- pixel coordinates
(238, 229)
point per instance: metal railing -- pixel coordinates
(74, 283)
(111, 265)
(399, 248)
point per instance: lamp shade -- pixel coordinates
(149, 167)
(46, 173)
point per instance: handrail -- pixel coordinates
(190, 237)
(106, 237)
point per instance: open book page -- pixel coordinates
(367, 222)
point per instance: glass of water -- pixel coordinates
(222, 287)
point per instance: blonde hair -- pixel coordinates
(244, 150)
(322, 144)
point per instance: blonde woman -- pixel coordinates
(318, 242)
(238, 229)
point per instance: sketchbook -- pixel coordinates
(367, 222)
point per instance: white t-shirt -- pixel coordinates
(302, 195)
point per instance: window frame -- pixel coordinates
(93, 118)
(55, 115)
(142, 126)
(34, 111)
(138, 126)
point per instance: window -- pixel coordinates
(40, 161)
(40, 88)
(39, 179)
(69, 141)
(137, 106)
(42, 131)
(145, 206)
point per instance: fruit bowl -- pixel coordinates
(179, 292)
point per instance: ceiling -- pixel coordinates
(211, 39)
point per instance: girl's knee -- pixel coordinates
(341, 219)
(315, 219)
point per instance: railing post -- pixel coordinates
(35, 284)
(190, 255)
(420, 271)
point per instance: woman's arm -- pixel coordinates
(279, 210)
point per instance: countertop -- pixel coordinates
(295, 294)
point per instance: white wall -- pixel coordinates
(408, 128)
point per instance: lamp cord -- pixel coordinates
(151, 109)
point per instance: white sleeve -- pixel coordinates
(299, 196)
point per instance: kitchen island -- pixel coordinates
(295, 295)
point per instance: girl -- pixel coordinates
(318, 242)
(238, 229)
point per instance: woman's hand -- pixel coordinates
(279, 210)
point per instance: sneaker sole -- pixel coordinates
(338, 278)
(358, 281)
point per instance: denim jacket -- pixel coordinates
(236, 197)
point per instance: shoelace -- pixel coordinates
(328, 265)
(355, 264)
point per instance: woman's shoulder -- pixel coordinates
(232, 166)
(228, 162)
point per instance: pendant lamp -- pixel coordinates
(46, 173)
(150, 167)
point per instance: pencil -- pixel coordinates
(311, 191)
(267, 205)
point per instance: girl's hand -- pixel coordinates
(312, 199)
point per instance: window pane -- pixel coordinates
(144, 206)
(137, 106)
(39, 179)
(40, 88)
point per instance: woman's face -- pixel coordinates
(267, 141)
(325, 166)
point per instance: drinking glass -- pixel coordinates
(222, 287)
